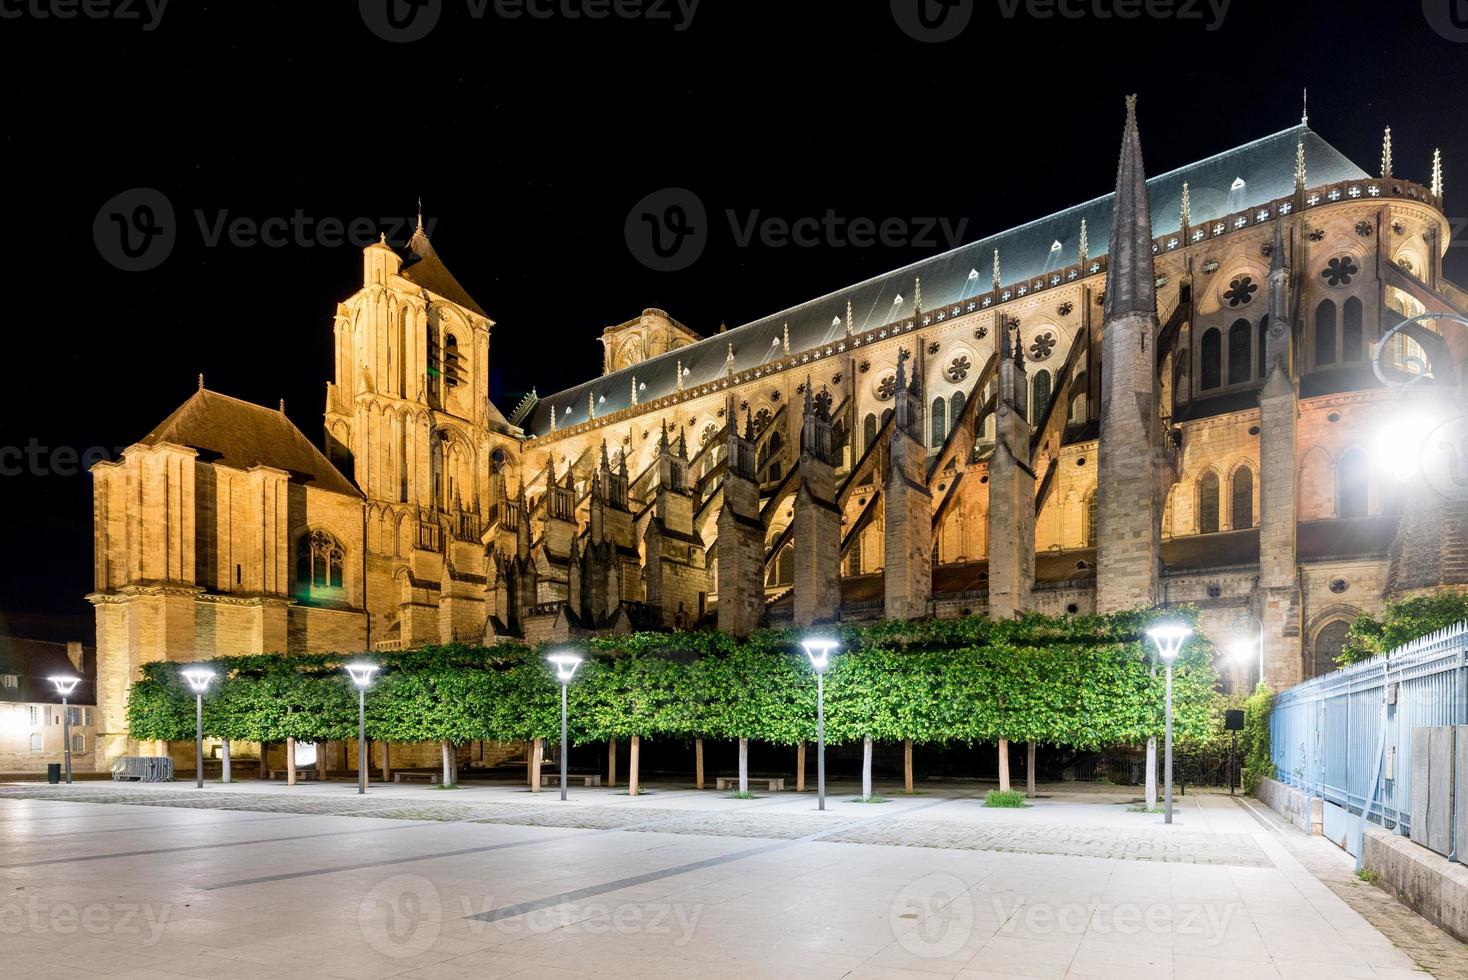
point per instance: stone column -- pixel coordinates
(1011, 485)
(741, 534)
(817, 524)
(907, 506)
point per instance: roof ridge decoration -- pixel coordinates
(1187, 208)
(1082, 250)
(1386, 154)
(1300, 165)
(1130, 278)
(1437, 174)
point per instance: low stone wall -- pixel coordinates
(1296, 806)
(1428, 883)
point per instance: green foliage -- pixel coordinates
(1258, 763)
(1008, 799)
(1086, 682)
(1403, 621)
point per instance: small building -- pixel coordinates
(32, 730)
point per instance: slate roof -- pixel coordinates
(422, 265)
(240, 434)
(33, 661)
(1266, 167)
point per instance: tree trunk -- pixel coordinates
(632, 765)
(907, 766)
(1004, 765)
(1030, 770)
(800, 767)
(224, 776)
(698, 762)
(446, 751)
(866, 767)
(537, 753)
(264, 760)
(744, 766)
(612, 762)
(290, 761)
(386, 759)
(1151, 790)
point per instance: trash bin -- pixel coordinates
(53, 773)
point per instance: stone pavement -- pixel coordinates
(266, 880)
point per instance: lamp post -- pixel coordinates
(362, 677)
(1168, 637)
(1242, 650)
(198, 678)
(64, 687)
(565, 664)
(819, 649)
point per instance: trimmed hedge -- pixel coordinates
(1080, 681)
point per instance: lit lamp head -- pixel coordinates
(1399, 443)
(198, 678)
(1243, 651)
(819, 650)
(64, 685)
(1169, 639)
(362, 674)
(565, 664)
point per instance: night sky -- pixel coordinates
(530, 140)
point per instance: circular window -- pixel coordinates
(1339, 585)
(1333, 417)
(1081, 461)
(1072, 608)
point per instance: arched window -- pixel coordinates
(939, 410)
(1325, 333)
(452, 368)
(1212, 354)
(1355, 484)
(1208, 503)
(886, 414)
(436, 459)
(402, 352)
(956, 403)
(432, 359)
(868, 431)
(1091, 520)
(36, 742)
(784, 571)
(1238, 352)
(1241, 503)
(1263, 346)
(1352, 335)
(1040, 395)
(319, 561)
(1328, 645)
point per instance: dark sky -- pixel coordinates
(530, 140)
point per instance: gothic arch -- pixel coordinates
(1326, 631)
(1208, 508)
(1242, 489)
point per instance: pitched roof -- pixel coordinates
(422, 265)
(34, 661)
(241, 434)
(1234, 180)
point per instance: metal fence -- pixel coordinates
(1346, 736)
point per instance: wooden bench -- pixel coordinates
(554, 778)
(403, 775)
(776, 783)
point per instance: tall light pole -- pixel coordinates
(565, 664)
(1242, 650)
(819, 650)
(362, 678)
(198, 678)
(1168, 638)
(64, 687)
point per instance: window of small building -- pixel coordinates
(1208, 503)
(1241, 506)
(1238, 352)
(1211, 352)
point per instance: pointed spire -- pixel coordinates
(682, 443)
(1437, 174)
(1386, 153)
(787, 339)
(809, 403)
(1130, 278)
(748, 424)
(663, 438)
(634, 389)
(1304, 107)
(420, 212)
(902, 356)
(1084, 246)
(282, 406)
(1187, 212)
(1019, 347)
(729, 361)
(605, 464)
(996, 268)
(553, 418)
(849, 322)
(1300, 165)
(679, 386)
(917, 296)
(201, 380)
(590, 405)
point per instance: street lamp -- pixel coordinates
(1168, 638)
(1243, 649)
(565, 664)
(198, 678)
(362, 677)
(819, 650)
(64, 686)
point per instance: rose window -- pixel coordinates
(1042, 346)
(1338, 271)
(1241, 290)
(959, 369)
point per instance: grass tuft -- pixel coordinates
(1009, 799)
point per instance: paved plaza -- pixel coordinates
(263, 880)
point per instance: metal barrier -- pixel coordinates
(1346, 736)
(143, 768)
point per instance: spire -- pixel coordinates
(420, 212)
(682, 443)
(902, 355)
(996, 268)
(605, 464)
(663, 438)
(1386, 153)
(590, 405)
(679, 386)
(1019, 347)
(1084, 247)
(634, 389)
(729, 361)
(1187, 212)
(282, 406)
(809, 395)
(1304, 107)
(917, 296)
(1300, 165)
(1130, 279)
(748, 424)
(787, 339)
(1437, 175)
(201, 380)
(849, 323)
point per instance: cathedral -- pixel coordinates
(1167, 394)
